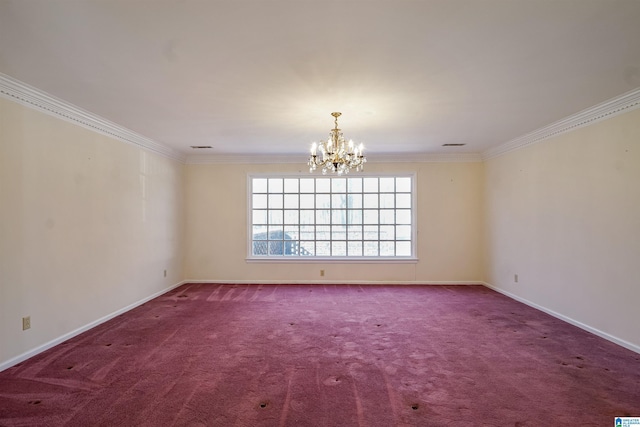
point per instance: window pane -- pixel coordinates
(403, 200)
(275, 232)
(276, 216)
(354, 216)
(403, 185)
(323, 232)
(307, 185)
(291, 201)
(387, 232)
(387, 216)
(387, 248)
(291, 217)
(370, 185)
(339, 216)
(260, 186)
(403, 232)
(290, 248)
(403, 216)
(291, 232)
(339, 248)
(387, 201)
(307, 216)
(275, 201)
(259, 201)
(323, 248)
(338, 201)
(354, 201)
(354, 249)
(307, 201)
(371, 232)
(371, 200)
(307, 232)
(259, 233)
(308, 248)
(403, 248)
(355, 185)
(354, 233)
(260, 248)
(323, 201)
(338, 185)
(323, 216)
(387, 185)
(323, 185)
(275, 185)
(370, 216)
(276, 248)
(370, 248)
(259, 217)
(291, 185)
(338, 232)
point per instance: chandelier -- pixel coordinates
(336, 155)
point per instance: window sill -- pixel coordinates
(333, 260)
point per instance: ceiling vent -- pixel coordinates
(200, 147)
(453, 145)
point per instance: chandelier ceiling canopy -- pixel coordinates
(336, 155)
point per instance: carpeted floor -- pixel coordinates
(313, 355)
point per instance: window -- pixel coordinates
(348, 218)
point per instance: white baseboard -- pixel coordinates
(601, 334)
(26, 355)
(335, 282)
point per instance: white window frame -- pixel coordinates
(413, 258)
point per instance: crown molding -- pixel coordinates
(257, 159)
(606, 110)
(432, 158)
(29, 96)
(203, 159)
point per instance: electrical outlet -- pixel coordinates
(322, 272)
(515, 278)
(165, 273)
(26, 323)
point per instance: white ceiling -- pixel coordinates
(262, 77)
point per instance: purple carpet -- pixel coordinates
(314, 355)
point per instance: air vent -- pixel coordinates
(200, 147)
(453, 145)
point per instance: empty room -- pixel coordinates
(319, 213)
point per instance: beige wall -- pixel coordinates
(564, 215)
(449, 210)
(88, 225)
